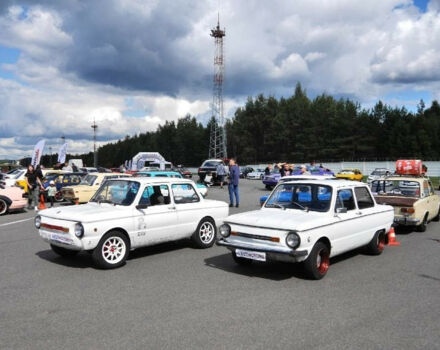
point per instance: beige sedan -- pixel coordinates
(83, 192)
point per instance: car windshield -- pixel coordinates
(403, 188)
(210, 163)
(307, 197)
(117, 192)
(88, 180)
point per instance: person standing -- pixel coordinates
(221, 172)
(234, 176)
(33, 181)
(268, 170)
(51, 191)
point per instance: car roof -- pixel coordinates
(330, 182)
(144, 180)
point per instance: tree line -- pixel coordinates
(295, 129)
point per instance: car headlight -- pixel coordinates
(37, 221)
(79, 230)
(225, 230)
(293, 240)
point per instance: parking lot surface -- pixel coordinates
(174, 296)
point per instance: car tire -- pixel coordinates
(205, 234)
(268, 187)
(318, 261)
(422, 226)
(377, 243)
(4, 207)
(437, 217)
(241, 261)
(111, 251)
(67, 253)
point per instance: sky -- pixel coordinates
(131, 65)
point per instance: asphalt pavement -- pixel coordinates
(174, 296)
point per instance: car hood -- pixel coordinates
(289, 219)
(88, 212)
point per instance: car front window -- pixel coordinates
(308, 197)
(117, 192)
(210, 164)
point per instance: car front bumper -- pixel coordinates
(281, 254)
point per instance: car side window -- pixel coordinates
(363, 197)
(155, 195)
(426, 189)
(345, 199)
(184, 193)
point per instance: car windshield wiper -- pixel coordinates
(275, 205)
(301, 206)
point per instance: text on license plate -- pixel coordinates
(61, 239)
(248, 254)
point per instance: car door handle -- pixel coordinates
(359, 213)
(173, 207)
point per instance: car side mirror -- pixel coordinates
(142, 206)
(341, 210)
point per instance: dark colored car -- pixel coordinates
(62, 180)
(209, 166)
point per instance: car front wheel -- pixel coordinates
(111, 251)
(59, 196)
(204, 236)
(318, 262)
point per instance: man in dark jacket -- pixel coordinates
(234, 176)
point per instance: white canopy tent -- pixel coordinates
(143, 159)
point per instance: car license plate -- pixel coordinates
(61, 239)
(248, 254)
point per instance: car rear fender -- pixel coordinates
(6, 199)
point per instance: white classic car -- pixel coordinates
(309, 221)
(128, 213)
(257, 174)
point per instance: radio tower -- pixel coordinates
(217, 140)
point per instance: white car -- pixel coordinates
(309, 221)
(256, 175)
(128, 213)
(13, 176)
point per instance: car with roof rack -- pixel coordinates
(129, 213)
(308, 221)
(412, 195)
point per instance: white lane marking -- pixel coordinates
(15, 222)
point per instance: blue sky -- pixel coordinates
(134, 65)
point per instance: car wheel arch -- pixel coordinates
(120, 230)
(6, 199)
(326, 241)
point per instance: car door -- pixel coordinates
(189, 207)
(366, 222)
(158, 222)
(432, 199)
(343, 231)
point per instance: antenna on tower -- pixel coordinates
(95, 155)
(217, 140)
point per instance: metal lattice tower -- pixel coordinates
(217, 141)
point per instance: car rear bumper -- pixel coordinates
(406, 221)
(285, 255)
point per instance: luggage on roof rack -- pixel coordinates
(409, 167)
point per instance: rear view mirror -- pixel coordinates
(142, 206)
(341, 210)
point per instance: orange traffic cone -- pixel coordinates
(392, 237)
(41, 206)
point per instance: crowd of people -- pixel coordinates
(286, 169)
